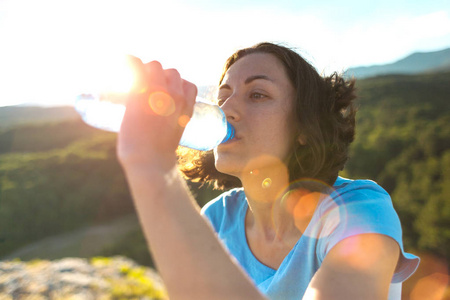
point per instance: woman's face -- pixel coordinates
(257, 98)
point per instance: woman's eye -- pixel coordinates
(257, 96)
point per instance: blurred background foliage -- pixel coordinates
(403, 143)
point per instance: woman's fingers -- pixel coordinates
(174, 83)
(190, 94)
(155, 117)
(156, 80)
(138, 68)
(168, 92)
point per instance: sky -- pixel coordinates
(48, 47)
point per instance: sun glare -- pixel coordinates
(110, 74)
(117, 76)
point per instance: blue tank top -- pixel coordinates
(354, 207)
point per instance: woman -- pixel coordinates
(295, 230)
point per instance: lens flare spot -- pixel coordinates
(291, 198)
(306, 206)
(431, 287)
(161, 104)
(266, 183)
(302, 201)
(254, 172)
(269, 174)
(141, 90)
(431, 279)
(301, 204)
(183, 120)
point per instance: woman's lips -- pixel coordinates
(232, 141)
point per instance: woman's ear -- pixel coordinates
(301, 139)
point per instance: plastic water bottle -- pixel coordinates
(207, 128)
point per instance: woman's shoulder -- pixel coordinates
(342, 183)
(226, 205)
(228, 199)
(358, 206)
(345, 189)
(363, 206)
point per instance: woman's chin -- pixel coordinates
(227, 167)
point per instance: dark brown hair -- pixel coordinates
(325, 118)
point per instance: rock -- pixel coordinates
(77, 278)
(72, 265)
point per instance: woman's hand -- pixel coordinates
(159, 105)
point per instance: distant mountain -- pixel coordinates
(416, 63)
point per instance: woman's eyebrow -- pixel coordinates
(255, 77)
(248, 80)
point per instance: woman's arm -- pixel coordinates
(192, 262)
(189, 257)
(358, 267)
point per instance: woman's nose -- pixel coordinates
(231, 108)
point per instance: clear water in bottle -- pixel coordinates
(206, 129)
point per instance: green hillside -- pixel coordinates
(18, 115)
(42, 137)
(403, 142)
(69, 185)
(59, 177)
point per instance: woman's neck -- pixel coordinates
(265, 189)
(277, 212)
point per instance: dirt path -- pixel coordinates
(85, 242)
